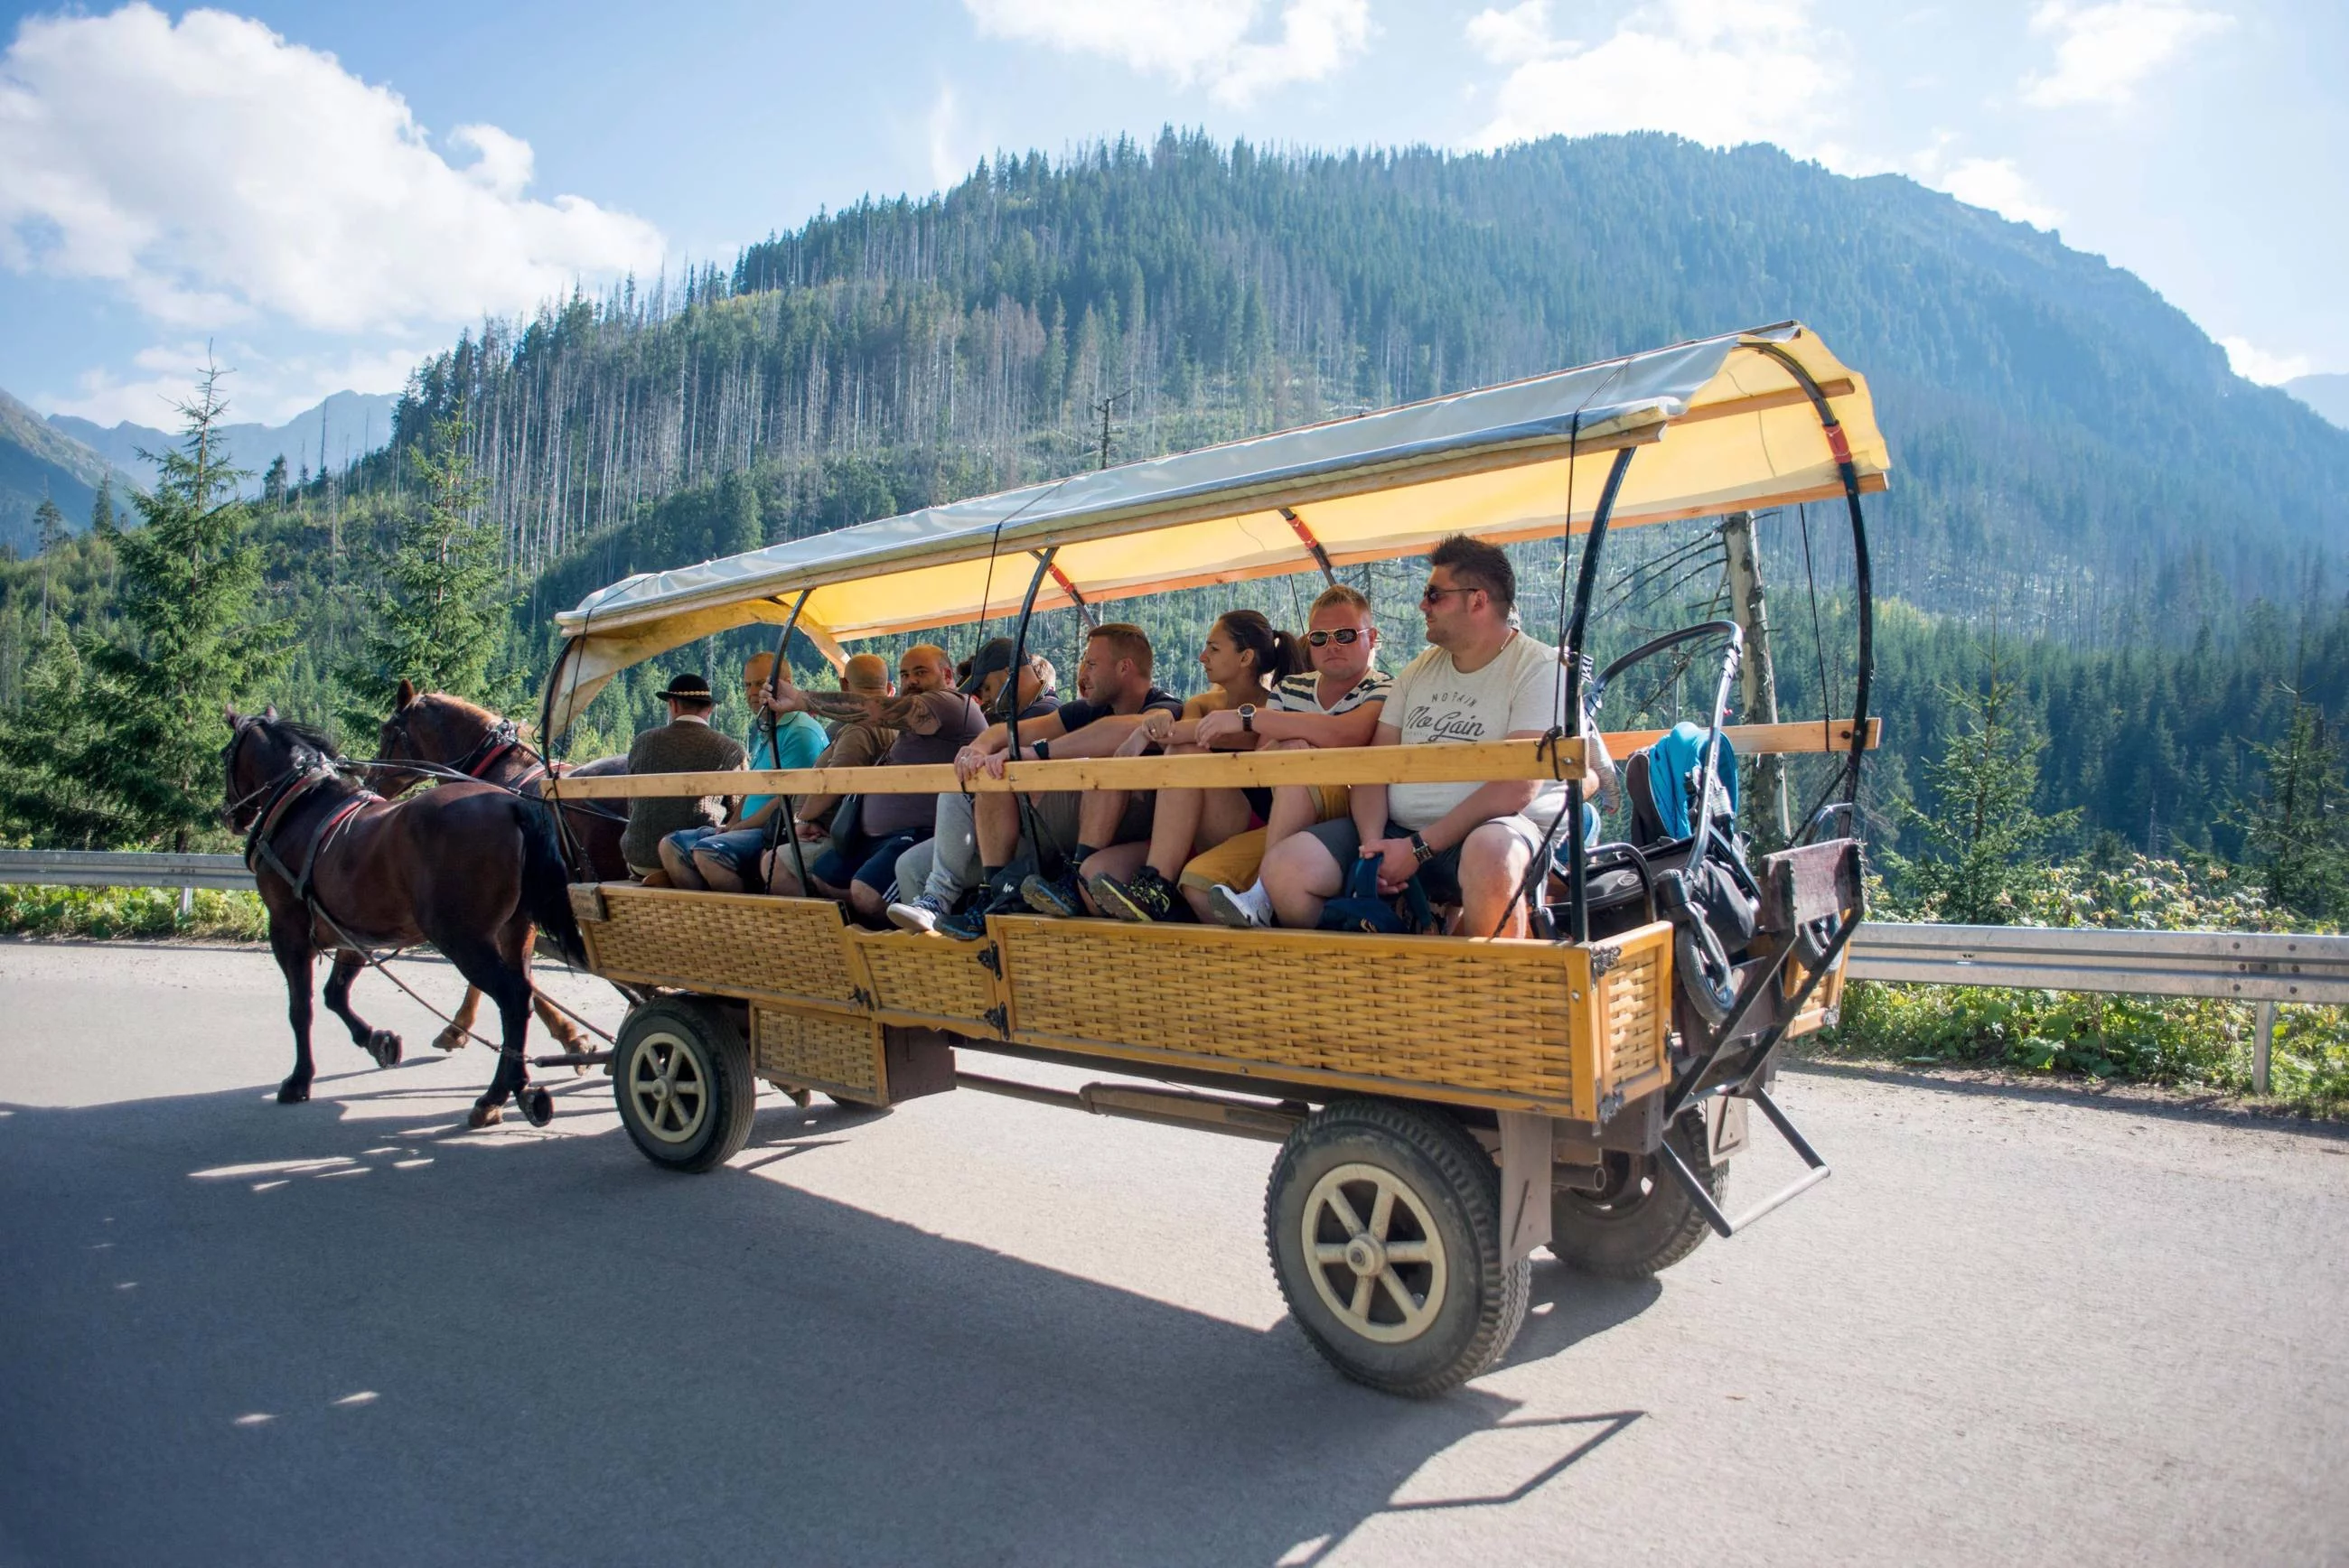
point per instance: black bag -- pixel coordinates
(1362, 908)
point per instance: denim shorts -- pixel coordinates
(877, 869)
(740, 848)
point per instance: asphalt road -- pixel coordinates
(2011, 1329)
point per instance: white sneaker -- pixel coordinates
(921, 915)
(1246, 911)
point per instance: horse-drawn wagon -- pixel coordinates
(1444, 1103)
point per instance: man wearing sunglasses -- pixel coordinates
(1470, 844)
(1337, 702)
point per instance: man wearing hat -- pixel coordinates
(686, 744)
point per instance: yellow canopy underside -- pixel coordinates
(1745, 437)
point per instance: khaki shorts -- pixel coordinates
(1235, 861)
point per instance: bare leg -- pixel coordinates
(682, 868)
(1301, 875)
(1493, 865)
(997, 819)
(1119, 860)
(780, 880)
(712, 871)
(1174, 830)
(380, 1043)
(1098, 814)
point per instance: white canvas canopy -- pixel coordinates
(1723, 422)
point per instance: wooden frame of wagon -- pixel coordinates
(1552, 1055)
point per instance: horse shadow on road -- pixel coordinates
(233, 1334)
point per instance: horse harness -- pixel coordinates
(260, 846)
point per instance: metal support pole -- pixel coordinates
(1749, 606)
(2263, 1045)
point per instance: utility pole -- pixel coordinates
(1758, 678)
(1103, 408)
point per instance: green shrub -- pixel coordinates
(137, 912)
(2182, 1040)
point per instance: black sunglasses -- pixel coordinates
(1346, 635)
(1433, 593)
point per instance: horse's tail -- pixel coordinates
(546, 881)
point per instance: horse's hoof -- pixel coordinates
(385, 1047)
(482, 1116)
(293, 1092)
(451, 1038)
(538, 1106)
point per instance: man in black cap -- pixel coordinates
(686, 744)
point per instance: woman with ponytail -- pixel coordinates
(1246, 658)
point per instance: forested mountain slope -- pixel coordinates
(2074, 456)
(37, 462)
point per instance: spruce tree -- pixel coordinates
(2296, 827)
(50, 524)
(438, 618)
(123, 745)
(1983, 831)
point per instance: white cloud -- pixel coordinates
(2257, 365)
(1214, 41)
(1720, 72)
(218, 174)
(260, 386)
(2103, 52)
(1996, 183)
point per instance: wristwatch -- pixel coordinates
(1421, 850)
(1248, 717)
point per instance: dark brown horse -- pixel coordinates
(447, 732)
(468, 868)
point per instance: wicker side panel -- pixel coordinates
(1485, 1016)
(727, 943)
(1635, 1006)
(829, 1051)
(928, 980)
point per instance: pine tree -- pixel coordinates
(2296, 829)
(50, 523)
(1984, 831)
(272, 483)
(439, 618)
(127, 751)
(102, 521)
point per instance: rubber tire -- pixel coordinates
(1640, 1238)
(723, 1060)
(1484, 1299)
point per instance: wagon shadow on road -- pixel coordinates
(305, 1335)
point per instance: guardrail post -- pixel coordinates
(187, 901)
(2263, 1046)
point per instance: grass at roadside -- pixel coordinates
(149, 912)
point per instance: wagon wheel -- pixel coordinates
(681, 1074)
(1642, 1221)
(1385, 1223)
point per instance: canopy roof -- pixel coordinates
(1728, 425)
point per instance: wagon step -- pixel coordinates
(1721, 1223)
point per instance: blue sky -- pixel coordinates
(326, 192)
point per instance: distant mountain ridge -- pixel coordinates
(2072, 453)
(345, 426)
(2327, 393)
(36, 460)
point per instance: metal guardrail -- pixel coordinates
(2266, 967)
(2252, 967)
(122, 868)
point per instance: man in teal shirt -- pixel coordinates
(726, 859)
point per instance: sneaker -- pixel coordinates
(1148, 897)
(920, 916)
(1244, 911)
(1054, 895)
(969, 922)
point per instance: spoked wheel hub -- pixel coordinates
(664, 1079)
(1378, 1260)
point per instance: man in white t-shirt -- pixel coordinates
(1479, 679)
